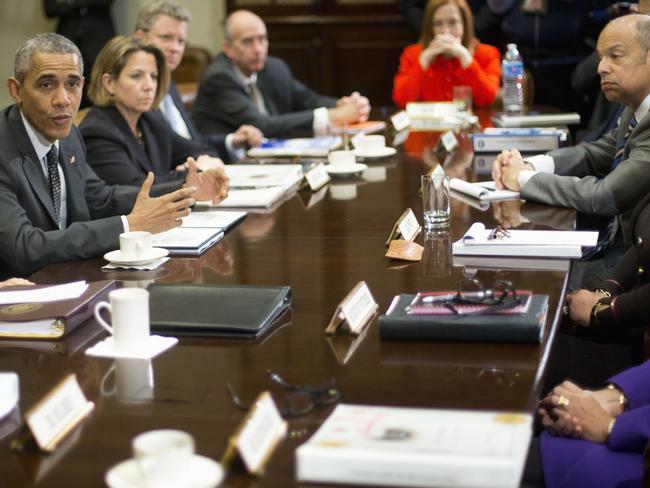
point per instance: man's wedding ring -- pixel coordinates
(563, 401)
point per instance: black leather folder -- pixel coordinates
(230, 311)
(524, 327)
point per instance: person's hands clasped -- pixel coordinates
(580, 304)
(205, 163)
(357, 104)
(570, 411)
(446, 45)
(157, 214)
(506, 168)
(210, 185)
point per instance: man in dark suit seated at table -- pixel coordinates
(53, 206)
(607, 177)
(243, 85)
(164, 24)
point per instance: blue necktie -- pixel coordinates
(620, 147)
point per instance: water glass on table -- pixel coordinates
(435, 201)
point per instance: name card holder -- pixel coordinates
(400, 121)
(355, 311)
(345, 345)
(57, 414)
(317, 177)
(445, 146)
(407, 227)
(257, 436)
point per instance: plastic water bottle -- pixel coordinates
(512, 70)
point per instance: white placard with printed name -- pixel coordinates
(62, 409)
(355, 311)
(449, 141)
(409, 226)
(406, 227)
(400, 121)
(258, 434)
(317, 177)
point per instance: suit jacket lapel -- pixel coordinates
(139, 154)
(74, 182)
(31, 165)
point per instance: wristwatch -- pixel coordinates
(593, 316)
(622, 399)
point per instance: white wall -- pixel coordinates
(21, 19)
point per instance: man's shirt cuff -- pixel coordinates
(235, 153)
(321, 121)
(542, 163)
(125, 223)
(524, 176)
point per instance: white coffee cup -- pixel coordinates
(135, 245)
(341, 158)
(129, 308)
(370, 143)
(163, 457)
(133, 381)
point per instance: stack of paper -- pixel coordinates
(532, 243)
(536, 120)
(372, 445)
(258, 185)
(316, 147)
(494, 140)
(483, 190)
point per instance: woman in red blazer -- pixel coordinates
(447, 55)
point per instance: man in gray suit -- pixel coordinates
(53, 206)
(607, 177)
(243, 85)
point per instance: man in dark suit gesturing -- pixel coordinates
(53, 206)
(243, 85)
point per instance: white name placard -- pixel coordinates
(317, 177)
(258, 434)
(406, 227)
(449, 141)
(62, 409)
(400, 121)
(356, 310)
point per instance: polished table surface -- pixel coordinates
(321, 248)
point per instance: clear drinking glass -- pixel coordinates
(435, 201)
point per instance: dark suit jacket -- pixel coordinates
(629, 281)
(223, 103)
(118, 158)
(574, 463)
(216, 140)
(29, 234)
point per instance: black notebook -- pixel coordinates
(233, 311)
(523, 327)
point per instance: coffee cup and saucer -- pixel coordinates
(372, 147)
(343, 164)
(136, 249)
(130, 329)
(164, 459)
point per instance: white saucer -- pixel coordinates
(384, 152)
(150, 348)
(115, 257)
(201, 472)
(345, 169)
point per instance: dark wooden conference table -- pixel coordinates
(321, 251)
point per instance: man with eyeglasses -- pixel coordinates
(164, 24)
(244, 85)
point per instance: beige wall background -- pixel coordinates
(19, 20)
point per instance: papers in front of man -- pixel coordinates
(188, 241)
(258, 185)
(388, 446)
(315, 147)
(41, 294)
(494, 140)
(214, 219)
(479, 241)
(536, 120)
(367, 127)
(483, 190)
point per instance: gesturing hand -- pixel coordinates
(157, 214)
(210, 185)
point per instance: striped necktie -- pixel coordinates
(620, 147)
(54, 181)
(257, 98)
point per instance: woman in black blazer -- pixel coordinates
(125, 135)
(623, 299)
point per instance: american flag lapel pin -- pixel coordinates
(73, 160)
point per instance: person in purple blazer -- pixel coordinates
(597, 438)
